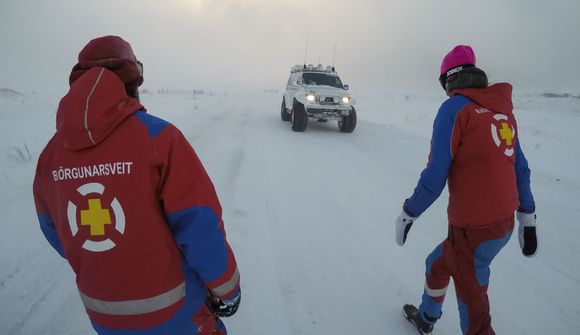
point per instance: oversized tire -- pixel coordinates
(299, 117)
(283, 113)
(347, 123)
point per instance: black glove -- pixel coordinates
(224, 308)
(527, 233)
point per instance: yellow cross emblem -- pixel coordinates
(95, 217)
(506, 133)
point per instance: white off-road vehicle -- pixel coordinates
(317, 93)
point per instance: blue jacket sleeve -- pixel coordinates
(527, 204)
(434, 176)
(197, 233)
(46, 223)
(49, 231)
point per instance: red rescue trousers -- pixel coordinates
(465, 256)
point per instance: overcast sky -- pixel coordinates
(225, 44)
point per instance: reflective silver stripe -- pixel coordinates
(87, 106)
(228, 286)
(435, 292)
(135, 307)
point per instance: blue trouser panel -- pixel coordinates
(463, 316)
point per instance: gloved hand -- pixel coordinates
(403, 224)
(527, 233)
(224, 308)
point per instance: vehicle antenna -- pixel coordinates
(306, 50)
(333, 55)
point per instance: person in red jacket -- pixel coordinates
(475, 148)
(124, 198)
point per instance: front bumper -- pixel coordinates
(333, 111)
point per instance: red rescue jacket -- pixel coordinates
(475, 149)
(123, 196)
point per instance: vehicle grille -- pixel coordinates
(328, 101)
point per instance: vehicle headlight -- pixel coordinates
(310, 97)
(345, 100)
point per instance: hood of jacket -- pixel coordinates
(496, 97)
(94, 106)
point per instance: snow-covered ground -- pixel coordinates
(310, 216)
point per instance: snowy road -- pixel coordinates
(309, 216)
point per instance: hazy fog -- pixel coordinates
(227, 44)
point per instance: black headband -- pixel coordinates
(443, 77)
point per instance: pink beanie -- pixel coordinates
(460, 55)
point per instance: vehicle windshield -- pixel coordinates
(321, 79)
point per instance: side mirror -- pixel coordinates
(298, 82)
(346, 87)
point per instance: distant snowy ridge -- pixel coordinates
(560, 95)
